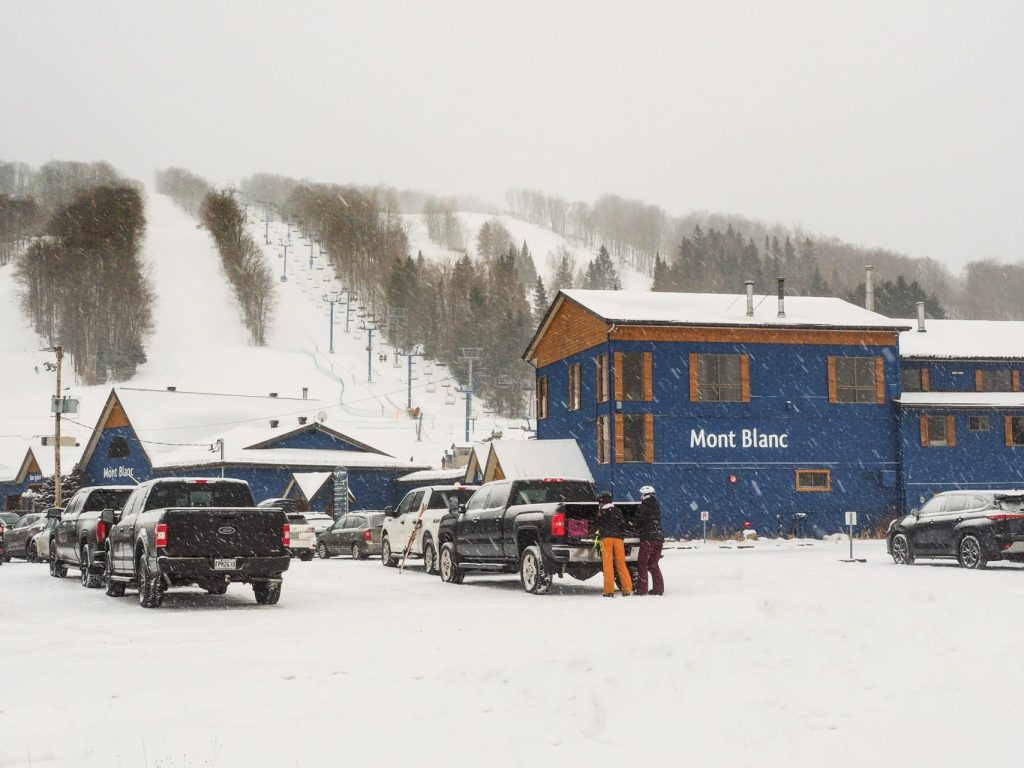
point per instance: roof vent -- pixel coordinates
(273, 394)
(920, 317)
(869, 288)
(172, 389)
(305, 393)
(782, 296)
(274, 423)
(303, 419)
(750, 298)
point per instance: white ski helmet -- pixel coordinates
(647, 490)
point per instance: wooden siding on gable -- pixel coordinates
(116, 418)
(572, 329)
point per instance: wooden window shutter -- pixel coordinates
(924, 379)
(618, 375)
(745, 377)
(693, 377)
(620, 440)
(979, 381)
(648, 376)
(832, 380)
(924, 431)
(879, 379)
(1008, 430)
(951, 431)
(1016, 381)
(649, 437)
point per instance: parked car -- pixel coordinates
(303, 537)
(19, 534)
(7, 520)
(975, 527)
(177, 531)
(318, 521)
(414, 523)
(79, 540)
(357, 534)
(39, 546)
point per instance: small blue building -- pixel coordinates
(283, 447)
(16, 479)
(777, 412)
(961, 407)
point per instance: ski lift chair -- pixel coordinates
(431, 386)
(449, 396)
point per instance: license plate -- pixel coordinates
(225, 564)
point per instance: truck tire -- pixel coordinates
(89, 580)
(114, 588)
(306, 556)
(57, 570)
(386, 557)
(266, 593)
(429, 557)
(448, 565)
(536, 580)
(151, 588)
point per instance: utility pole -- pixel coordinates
(284, 275)
(369, 325)
(470, 354)
(417, 351)
(56, 431)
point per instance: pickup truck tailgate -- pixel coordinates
(580, 515)
(224, 532)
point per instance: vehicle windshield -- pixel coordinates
(106, 499)
(545, 492)
(442, 499)
(297, 519)
(1012, 503)
(217, 494)
(376, 520)
(9, 518)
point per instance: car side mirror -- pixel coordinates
(389, 511)
(915, 512)
(54, 513)
(107, 516)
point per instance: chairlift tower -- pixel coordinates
(369, 325)
(332, 298)
(417, 351)
(470, 355)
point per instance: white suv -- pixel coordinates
(404, 527)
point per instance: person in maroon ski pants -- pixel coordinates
(651, 540)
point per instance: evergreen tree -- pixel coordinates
(601, 274)
(540, 300)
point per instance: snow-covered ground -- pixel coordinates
(773, 656)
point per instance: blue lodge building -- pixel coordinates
(15, 480)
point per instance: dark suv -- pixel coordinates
(975, 527)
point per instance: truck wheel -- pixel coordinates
(535, 579)
(57, 570)
(266, 593)
(970, 553)
(385, 553)
(114, 588)
(89, 580)
(306, 556)
(321, 551)
(448, 565)
(429, 557)
(151, 590)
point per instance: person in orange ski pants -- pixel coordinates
(613, 551)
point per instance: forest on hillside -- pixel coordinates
(74, 233)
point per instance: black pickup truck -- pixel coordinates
(537, 528)
(175, 532)
(79, 539)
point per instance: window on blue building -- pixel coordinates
(938, 431)
(719, 379)
(632, 375)
(601, 362)
(118, 449)
(914, 380)
(1014, 430)
(855, 380)
(993, 381)
(819, 480)
(634, 437)
(978, 423)
(542, 397)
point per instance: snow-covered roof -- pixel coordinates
(722, 309)
(434, 476)
(964, 339)
(538, 458)
(962, 399)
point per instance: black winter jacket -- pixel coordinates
(610, 522)
(650, 520)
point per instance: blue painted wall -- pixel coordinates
(314, 439)
(789, 395)
(956, 375)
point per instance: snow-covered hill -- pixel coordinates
(200, 344)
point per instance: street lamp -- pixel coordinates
(332, 298)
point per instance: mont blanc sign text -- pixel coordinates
(744, 438)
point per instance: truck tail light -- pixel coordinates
(1001, 516)
(558, 524)
(161, 534)
(101, 532)
(367, 535)
(286, 535)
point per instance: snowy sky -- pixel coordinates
(894, 124)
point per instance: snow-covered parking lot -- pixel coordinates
(776, 656)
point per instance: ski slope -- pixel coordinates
(200, 344)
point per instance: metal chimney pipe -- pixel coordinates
(869, 288)
(750, 297)
(782, 296)
(305, 393)
(920, 317)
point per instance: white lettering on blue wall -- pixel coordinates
(749, 438)
(112, 473)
